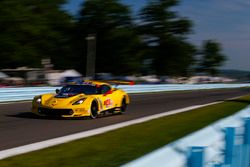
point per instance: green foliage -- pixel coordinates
(173, 57)
(117, 41)
(98, 16)
(32, 30)
(212, 58)
(156, 43)
(164, 33)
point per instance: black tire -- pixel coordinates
(123, 105)
(94, 110)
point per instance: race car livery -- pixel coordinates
(90, 98)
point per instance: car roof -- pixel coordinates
(108, 83)
(94, 83)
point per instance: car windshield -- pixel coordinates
(77, 89)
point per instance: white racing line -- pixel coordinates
(65, 139)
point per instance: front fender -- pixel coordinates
(46, 97)
(88, 103)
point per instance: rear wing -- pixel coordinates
(111, 82)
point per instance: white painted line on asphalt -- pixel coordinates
(60, 140)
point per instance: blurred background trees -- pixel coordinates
(117, 41)
(32, 30)
(211, 57)
(165, 33)
(156, 43)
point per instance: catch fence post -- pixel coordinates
(247, 141)
(196, 157)
(247, 131)
(229, 149)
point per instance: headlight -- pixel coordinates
(79, 101)
(39, 100)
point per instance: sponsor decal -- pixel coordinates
(108, 103)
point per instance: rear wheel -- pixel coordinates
(94, 110)
(123, 105)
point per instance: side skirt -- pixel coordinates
(110, 111)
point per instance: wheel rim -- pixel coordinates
(93, 111)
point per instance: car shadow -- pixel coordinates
(29, 115)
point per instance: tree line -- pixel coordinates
(152, 42)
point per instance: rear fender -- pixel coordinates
(121, 95)
(127, 98)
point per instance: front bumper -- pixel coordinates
(55, 112)
(60, 112)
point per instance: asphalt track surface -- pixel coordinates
(19, 127)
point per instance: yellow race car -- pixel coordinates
(90, 99)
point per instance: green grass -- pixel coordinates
(123, 145)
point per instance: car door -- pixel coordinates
(107, 97)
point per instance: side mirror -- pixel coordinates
(57, 91)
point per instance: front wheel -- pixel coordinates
(94, 110)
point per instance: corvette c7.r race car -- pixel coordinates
(80, 100)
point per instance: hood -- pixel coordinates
(66, 95)
(61, 101)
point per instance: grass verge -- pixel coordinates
(123, 145)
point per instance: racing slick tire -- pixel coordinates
(123, 105)
(93, 110)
